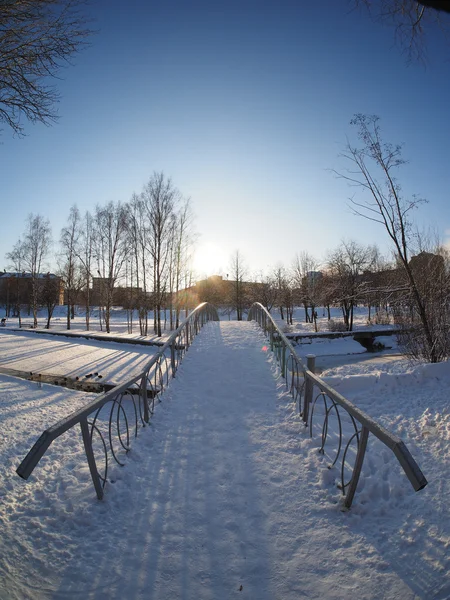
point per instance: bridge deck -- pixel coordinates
(220, 498)
(223, 500)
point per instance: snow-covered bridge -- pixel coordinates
(224, 496)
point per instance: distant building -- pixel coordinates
(426, 263)
(122, 296)
(15, 288)
(99, 285)
(314, 276)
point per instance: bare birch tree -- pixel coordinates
(50, 289)
(307, 283)
(160, 237)
(111, 251)
(86, 258)
(264, 290)
(16, 259)
(138, 232)
(184, 240)
(69, 240)
(238, 272)
(160, 199)
(36, 246)
(285, 299)
(346, 264)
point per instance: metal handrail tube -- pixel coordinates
(412, 470)
(205, 311)
(39, 448)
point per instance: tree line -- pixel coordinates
(416, 286)
(135, 253)
(147, 243)
(349, 276)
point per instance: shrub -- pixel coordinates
(382, 317)
(336, 325)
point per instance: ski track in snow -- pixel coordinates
(226, 489)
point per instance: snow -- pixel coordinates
(119, 325)
(225, 494)
(299, 326)
(30, 352)
(325, 347)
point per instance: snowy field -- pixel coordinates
(225, 495)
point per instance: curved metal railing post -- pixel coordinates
(309, 389)
(357, 468)
(144, 393)
(87, 441)
(172, 358)
(333, 402)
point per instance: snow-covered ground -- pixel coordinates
(360, 320)
(225, 494)
(120, 325)
(346, 351)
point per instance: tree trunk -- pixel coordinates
(68, 309)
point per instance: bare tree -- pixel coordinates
(159, 239)
(376, 163)
(36, 40)
(307, 280)
(411, 20)
(36, 246)
(381, 285)
(85, 256)
(50, 295)
(138, 234)
(70, 271)
(285, 300)
(346, 264)
(264, 290)
(16, 259)
(431, 271)
(160, 199)
(184, 237)
(111, 251)
(171, 271)
(238, 272)
(327, 292)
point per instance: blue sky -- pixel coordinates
(246, 105)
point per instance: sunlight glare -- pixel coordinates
(210, 260)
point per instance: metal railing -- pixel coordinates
(116, 415)
(318, 403)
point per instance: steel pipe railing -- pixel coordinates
(353, 425)
(116, 415)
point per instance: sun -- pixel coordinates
(209, 259)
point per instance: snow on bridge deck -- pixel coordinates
(216, 500)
